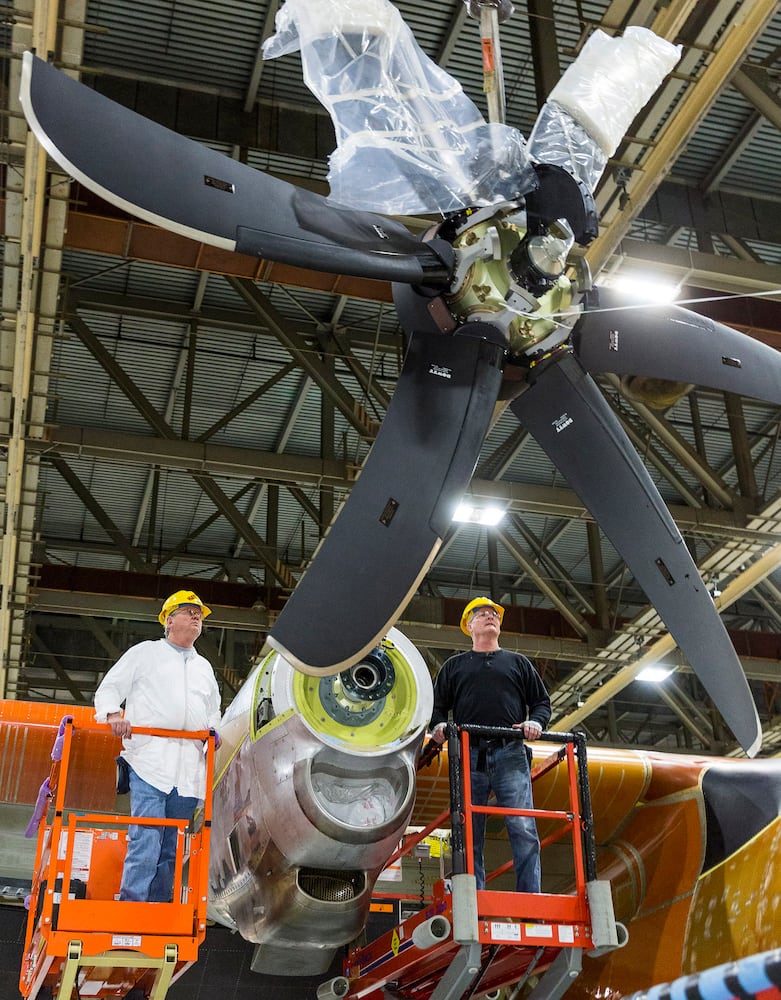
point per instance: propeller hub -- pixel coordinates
(357, 695)
(540, 259)
(491, 286)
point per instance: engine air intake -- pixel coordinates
(330, 886)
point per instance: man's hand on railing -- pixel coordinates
(531, 729)
(438, 733)
(428, 753)
(120, 726)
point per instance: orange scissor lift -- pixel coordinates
(81, 940)
(470, 942)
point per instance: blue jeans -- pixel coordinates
(148, 874)
(506, 772)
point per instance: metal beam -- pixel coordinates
(52, 663)
(683, 713)
(680, 449)
(131, 554)
(448, 43)
(559, 502)
(234, 516)
(349, 407)
(204, 480)
(545, 48)
(246, 463)
(640, 434)
(741, 448)
(35, 226)
(248, 400)
(192, 456)
(713, 211)
(545, 585)
(139, 609)
(543, 554)
(181, 546)
(119, 376)
(738, 39)
(272, 506)
(257, 67)
(745, 581)
(427, 636)
(753, 82)
(366, 380)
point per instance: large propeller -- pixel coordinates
(528, 337)
(181, 185)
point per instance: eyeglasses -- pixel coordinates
(485, 613)
(192, 612)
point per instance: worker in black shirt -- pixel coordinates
(490, 686)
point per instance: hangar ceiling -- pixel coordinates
(173, 415)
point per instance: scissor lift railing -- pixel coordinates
(81, 939)
(468, 942)
(574, 822)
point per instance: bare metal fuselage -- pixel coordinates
(314, 788)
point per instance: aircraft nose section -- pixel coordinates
(315, 799)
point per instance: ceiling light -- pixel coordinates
(645, 288)
(488, 516)
(654, 673)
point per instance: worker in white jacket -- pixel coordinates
(163, 684)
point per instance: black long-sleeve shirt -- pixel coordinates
(490, 689)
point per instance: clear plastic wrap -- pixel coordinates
(597, 98)
(354, 802)
(557, 138)
(409, 141)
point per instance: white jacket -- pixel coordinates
(162, 690)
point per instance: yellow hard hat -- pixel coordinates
(479, 602)
(178, 600)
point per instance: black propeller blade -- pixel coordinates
(186, 187)
(384, 538)
(669, 342)
(568, 416)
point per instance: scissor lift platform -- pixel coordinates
(81, 940)
(470, 942)
(425, 958)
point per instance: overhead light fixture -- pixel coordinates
(487, 516)
(645, 288)
(654, 673)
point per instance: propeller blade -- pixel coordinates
(570, 419)
(672, 343)
(181, 185)
(383, 540)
